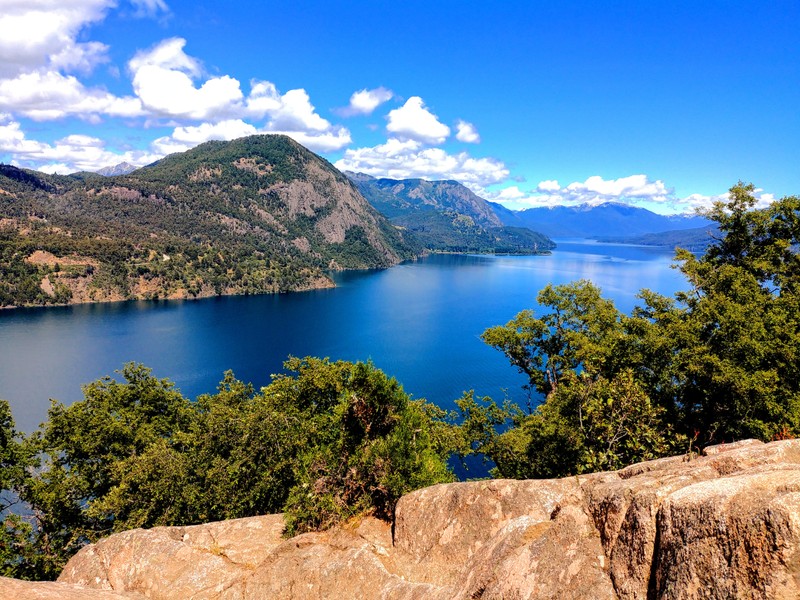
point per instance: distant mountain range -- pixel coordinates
(601, 220)
(446, 216)
(122, 168)
(696, 239)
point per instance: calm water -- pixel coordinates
(419, 322)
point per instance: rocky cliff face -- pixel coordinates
(723, 525)
(259, 214)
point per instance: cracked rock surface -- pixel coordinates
(722, 525)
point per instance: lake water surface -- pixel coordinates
(419, 322)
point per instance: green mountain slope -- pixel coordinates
(446, 216)
(696, 239)
(258, 214)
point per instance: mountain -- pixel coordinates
(603, 220)
(395, 197)
(122, 168)
(446, 216)
(696, 239)
(258, 214)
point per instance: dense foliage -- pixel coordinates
(445, 216)
(327, 441)
(213, 220)
(717, 363)
(324, 442)
(449, 231)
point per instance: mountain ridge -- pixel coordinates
(598, 220)
(259, 214)
(446, 216)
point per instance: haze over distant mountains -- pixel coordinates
(432, 208)
(600, 220)
(446, 216)
(122, 168)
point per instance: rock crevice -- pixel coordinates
(722, 525)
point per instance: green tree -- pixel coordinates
(737, 342)
(323, 442)
(16, 548)
(717, 363)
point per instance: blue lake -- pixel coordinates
(419, 322)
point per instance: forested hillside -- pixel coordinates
(258, 214)
(445, 216)
(327, 442)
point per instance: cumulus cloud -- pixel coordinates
(41, 53)
(402, 159)
(364, 102)
(37, 34)
(466, 132)
(296, 113)
(50, 95)
(413, 121)
(634, 189)
(184, 138)
(163, 79)
(67, 155)
(548, 186)
(293, 114)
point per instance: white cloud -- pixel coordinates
(50, 95)
(597, 189)
(327, 141)
(635, 189)
(364, 102)
(466, 132)
(149, 8)
(184, 138)
(413, 121)
(511, 193)
(163, 81)
(550, 185)
(405, 159)
(69, 154)
(293, 114)
(37, 34)
(296, 113)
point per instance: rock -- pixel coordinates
(722, 525)
(731, 538)
(441, 527)
(529, 558)
(198, 561)
(342, 563)
(50, 590)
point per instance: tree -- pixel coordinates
(739, 345)
(323, 442)
(717, 363)
(15, 536)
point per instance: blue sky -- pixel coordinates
(658, 104)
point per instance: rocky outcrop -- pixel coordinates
(722, 525)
